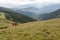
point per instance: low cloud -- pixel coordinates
(23, 2)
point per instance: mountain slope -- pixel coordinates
(14, 16)
(40, 30)
(50, 8)
(30, 11)
(33, 9)
(52, 15)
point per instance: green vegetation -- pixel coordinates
(14, 16)
(40, 30)
(51, 15)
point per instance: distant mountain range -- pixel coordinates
(46, 16)
(33, 10)
(14, 16)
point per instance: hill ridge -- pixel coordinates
(14, 16)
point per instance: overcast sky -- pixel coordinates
(11, 3)
(22, 2)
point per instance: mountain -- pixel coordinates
(27, 11)
(46, 16)
(14, 16)
(33, 10)
(50, 8)
(36, 10)
(30, 10)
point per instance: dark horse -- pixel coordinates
(14, 24)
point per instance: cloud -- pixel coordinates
(31, 0)
(44, 1)
(19, 2)
(23, 2)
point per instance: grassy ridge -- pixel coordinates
(40, 30)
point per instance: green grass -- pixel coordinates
(40, 30)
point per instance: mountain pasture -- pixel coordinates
(40, 30)
(28, 28)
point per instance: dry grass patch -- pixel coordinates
(40, 30)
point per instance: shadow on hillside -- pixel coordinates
(19, 19)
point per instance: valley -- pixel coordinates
(31, 23)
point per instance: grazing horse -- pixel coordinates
(14, 24)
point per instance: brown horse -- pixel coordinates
(14, 24)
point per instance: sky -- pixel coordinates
(24, 2)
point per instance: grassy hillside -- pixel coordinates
(40, 30)
(52, 15)
(14, 16)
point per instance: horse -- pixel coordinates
(14, 24)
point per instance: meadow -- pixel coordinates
(39, 30)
